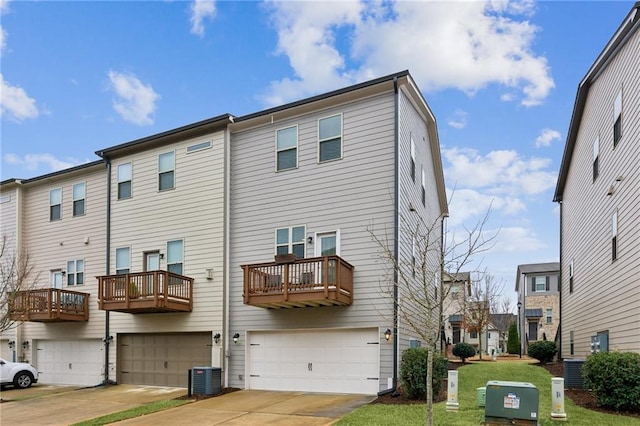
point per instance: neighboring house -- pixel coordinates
(538, 302)
(457, 289)
(500, 324)
(598, 190)
(310, 179)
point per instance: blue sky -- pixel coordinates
(501, 78)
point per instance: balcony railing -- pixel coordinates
(297, 283)
(145, 292)
(48, 305)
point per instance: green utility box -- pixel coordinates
(511, 403)
(481, 395)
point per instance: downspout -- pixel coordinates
(559, 332)
(441, 301)
(107, 338)
(396, 224)
(226, 286)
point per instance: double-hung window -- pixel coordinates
(123, 260)
(413, 159)
(75, 272)
(287, 148)
(166, 170)
(424, 189)
(596, 155)
(571, 277)
(124, 181)
(539, 284)
(549, 316)
(330, 138)
(291, 240)
(175, 256)
(614, 236)
(617, 119)
(55, 204)
(79, 194)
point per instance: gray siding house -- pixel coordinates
(311, 183)
(598, 190)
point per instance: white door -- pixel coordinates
(339, 361)
(56, 279)
(69, 362)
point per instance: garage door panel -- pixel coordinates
(69, 362)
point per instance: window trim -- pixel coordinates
(51, 205)
(549, 316)
(424, 187)
(412, 148)
(317, 237)
(571, 270)
(165, 172)
(596, 158)
(83, 199)
(290, 242)
(128, 268)
(169, 260)
(200, 146)
(614, 236)
(130, 180)
(75, 272)
(297, 148)
(340, 136)
(617, 119)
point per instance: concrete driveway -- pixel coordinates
(64, 405)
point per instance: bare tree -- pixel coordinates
(17, 274)
(415, 279)
(485, 295)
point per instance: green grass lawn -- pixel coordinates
(471, 377)
(133, 412)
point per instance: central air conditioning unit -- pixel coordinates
(511, 403)
(573, 373)
(206, 380)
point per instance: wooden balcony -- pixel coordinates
(48, 305)
(145, 292)
(299, 283)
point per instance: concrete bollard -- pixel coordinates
(452, 391)
(557, 399)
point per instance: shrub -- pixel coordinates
(413, 372)
(614, 378)
(543, 350)
(464, 351)
(513, 341)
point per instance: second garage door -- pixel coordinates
(161, 359)
(340, 361)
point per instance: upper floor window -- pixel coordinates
(175, 256)
(330, 138)
(75, 272)
(413, 255)
(55, 204)
(291, 240)
(287, 148)
(79, 193)
(413, 159)
(617, 119)
(124, 181)
(540, 283)
(549, 316)
(596, 155)
(614, 236)
(571, 277)
(123, 260)
(473, 334)
(166, 170)
(424, 189)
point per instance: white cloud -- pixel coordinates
(458, 120)
(546, 137)
(462, 45)
(135, 102)
(35, 161)
(465, 204)
(4, 8)
(517, 239)
(200, 10)
(16, 103)
(501, 172)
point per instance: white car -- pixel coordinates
(19, 374)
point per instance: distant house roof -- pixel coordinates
(536, 268)
(502, 321)
(533, 313)
(630, 24)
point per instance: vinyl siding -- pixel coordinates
(350, 194)
(9, 219)
(606, 295)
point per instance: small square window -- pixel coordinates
(330, 138)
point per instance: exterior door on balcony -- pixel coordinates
(56, 279)
(152, 263)
(327, 245)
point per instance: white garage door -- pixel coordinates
(341, 361)
(70, 362)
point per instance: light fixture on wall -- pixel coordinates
(209, 272)
(216, 337)
(236, 337)
(25, 344)
(12, 344)
(387, 334)
(107, 340)
(310, 239)
(161, 255)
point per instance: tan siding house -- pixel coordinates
(599, 194)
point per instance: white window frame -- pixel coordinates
(290, 243)
(424, 187)
(544, 283)
(571, 276)
(317, 237)
(75, 272)
(122, 267)
(549, 316)
(596, 156)
(200, 146)
(171, 169)
(171, 260)
(413, 158)
(288, 148)
(614, 236)
(617, 115)
(81, 197)
(57, 275)
(125, 179)
(53, 203)
(331, 138)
